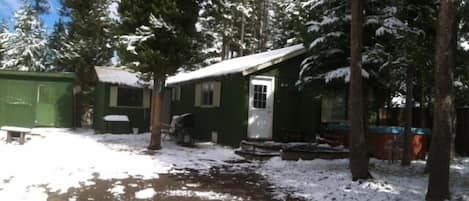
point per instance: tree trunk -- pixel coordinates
(423, 113)
(443, 120)
(243, 27)
(157, 100)
(262, 25)
(78, 96)
(409, 105)
(358, 152)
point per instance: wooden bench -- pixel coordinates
(10, 130)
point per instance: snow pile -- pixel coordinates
(244, 64)
(120, 76)
(62, 159)
(117, 190)
(206, 195)
(145, 193)
(331, 180)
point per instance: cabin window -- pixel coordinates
(260, 96)
(176, 93)
(129, 97)
(333, 108)
(207, 94)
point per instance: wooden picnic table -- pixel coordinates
(10, 130)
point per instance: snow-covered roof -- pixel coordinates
(245, 65)
(120, 76)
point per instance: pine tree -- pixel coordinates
(25, 49)
(3, 30)
(90, 35)
(158, 39)
(407, 37)
(63, 51)
(244, 27)
(327, 39)
(41, 6)
(287, 22)
(228, 23)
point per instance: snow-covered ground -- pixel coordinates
(61, 159)
(331, 180)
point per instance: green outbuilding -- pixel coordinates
(252, 97)
(121, 93)
(36, 99)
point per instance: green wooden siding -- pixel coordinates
(21, 105)
(139, 117)
(229, 120)
(294, 111)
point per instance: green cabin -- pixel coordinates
(36, 99)
(252, 97)
(121, 92)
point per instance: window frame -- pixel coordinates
(114, 97)
(212, 90)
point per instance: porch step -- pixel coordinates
(290, 151)
(262, 149)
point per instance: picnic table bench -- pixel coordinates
(10, 130)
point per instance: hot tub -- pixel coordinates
(381, 139)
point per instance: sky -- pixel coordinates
(8, 7)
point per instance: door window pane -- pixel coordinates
(260, 96)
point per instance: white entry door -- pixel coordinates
(261, 107)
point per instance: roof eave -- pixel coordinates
(263, 66)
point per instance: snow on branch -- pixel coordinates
(340, 73)
(246, 11)
(159, 23)
(143, 33)
(322, 39)
(394, 26)
(312, 3)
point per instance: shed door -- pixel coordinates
(261, 107)
(19, 104)
(45, 109)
